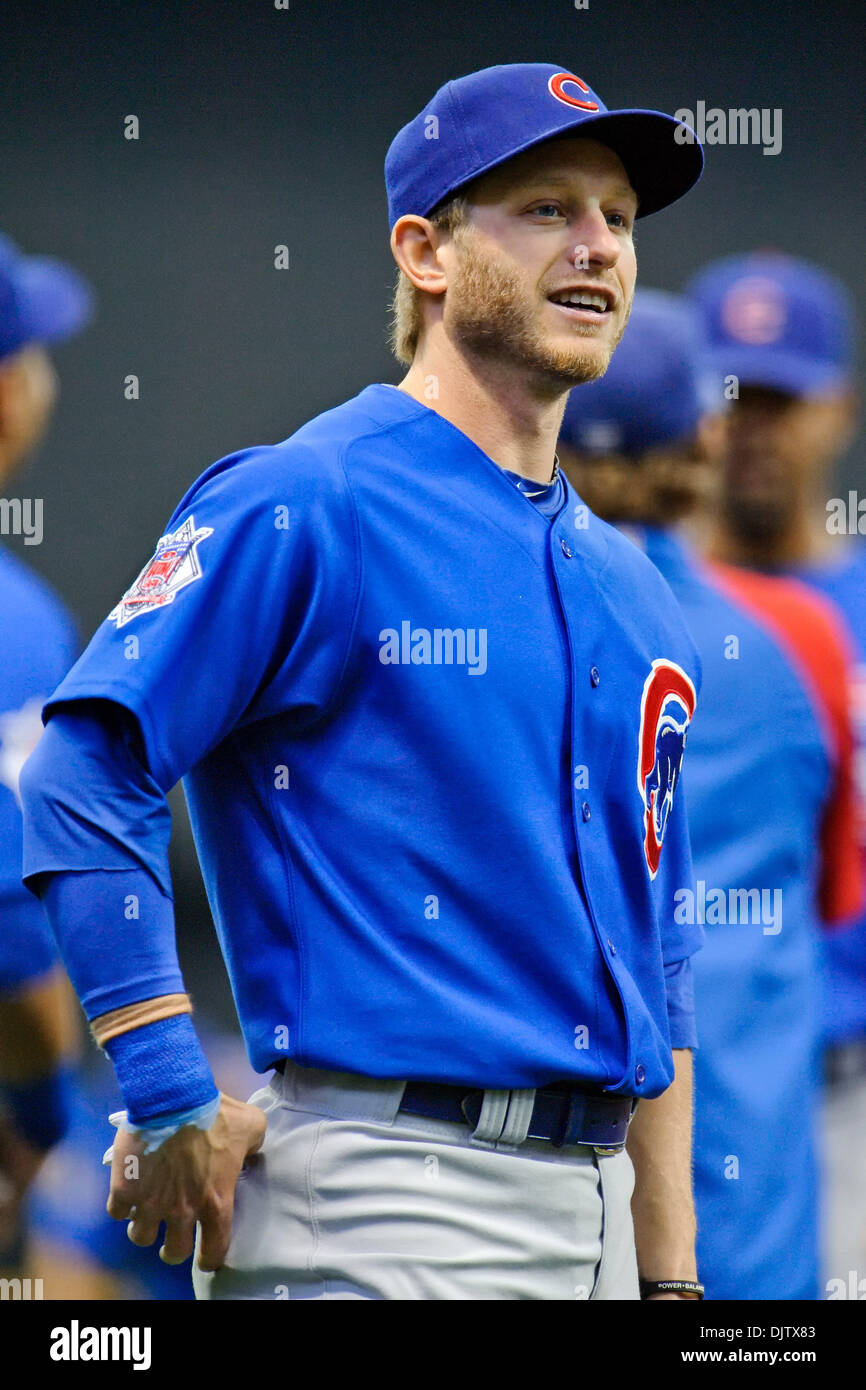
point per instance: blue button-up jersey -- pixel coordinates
(430, 742)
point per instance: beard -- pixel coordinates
(492, 314)
(762, 516)
(757, 522)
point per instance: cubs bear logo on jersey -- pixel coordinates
(174, 565)
(667, 705)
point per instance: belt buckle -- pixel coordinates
(618, 1148)
(577, 1121)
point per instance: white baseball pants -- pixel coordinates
(347, 1200)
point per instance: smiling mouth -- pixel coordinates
(581, 305)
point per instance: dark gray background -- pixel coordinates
(261, 126)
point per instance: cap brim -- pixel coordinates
(659, 168)
(54, 301)
(778, 371)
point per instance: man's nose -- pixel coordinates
(593, 242)
(751, 420)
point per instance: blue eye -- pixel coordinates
(547, 206)
(623, 221)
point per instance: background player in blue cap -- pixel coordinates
(41, 301)
(783, 330)
(430, 759)
(770, 801)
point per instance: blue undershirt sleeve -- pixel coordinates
(89, 800)
(96, 833)
(115, 932)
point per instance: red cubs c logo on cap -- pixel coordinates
(754, 311)
(555, 86)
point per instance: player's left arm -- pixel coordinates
(659, 1144)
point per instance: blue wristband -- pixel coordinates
(40, 1110)
(161, 1070)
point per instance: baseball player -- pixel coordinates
(431, 761)
(783, 330)
(41, 301)
(769, 789)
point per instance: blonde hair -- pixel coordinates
(407, 313)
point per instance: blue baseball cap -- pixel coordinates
(477, 122)
(654, 392)
(41, 300)
(773, 320)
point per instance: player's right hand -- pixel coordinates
(191, 1177)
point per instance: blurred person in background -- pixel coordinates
(770, 802)
(781, 337)
(41, 301)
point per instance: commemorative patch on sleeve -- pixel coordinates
(175, 564)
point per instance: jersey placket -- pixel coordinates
(577, 594)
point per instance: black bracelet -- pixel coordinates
(651, 1286)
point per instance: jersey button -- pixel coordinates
(594, 675)
(585, 811)
(611, 947)
(640, 1074)
(566, 549)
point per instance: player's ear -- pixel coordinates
(10, 411)
(415, 246)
